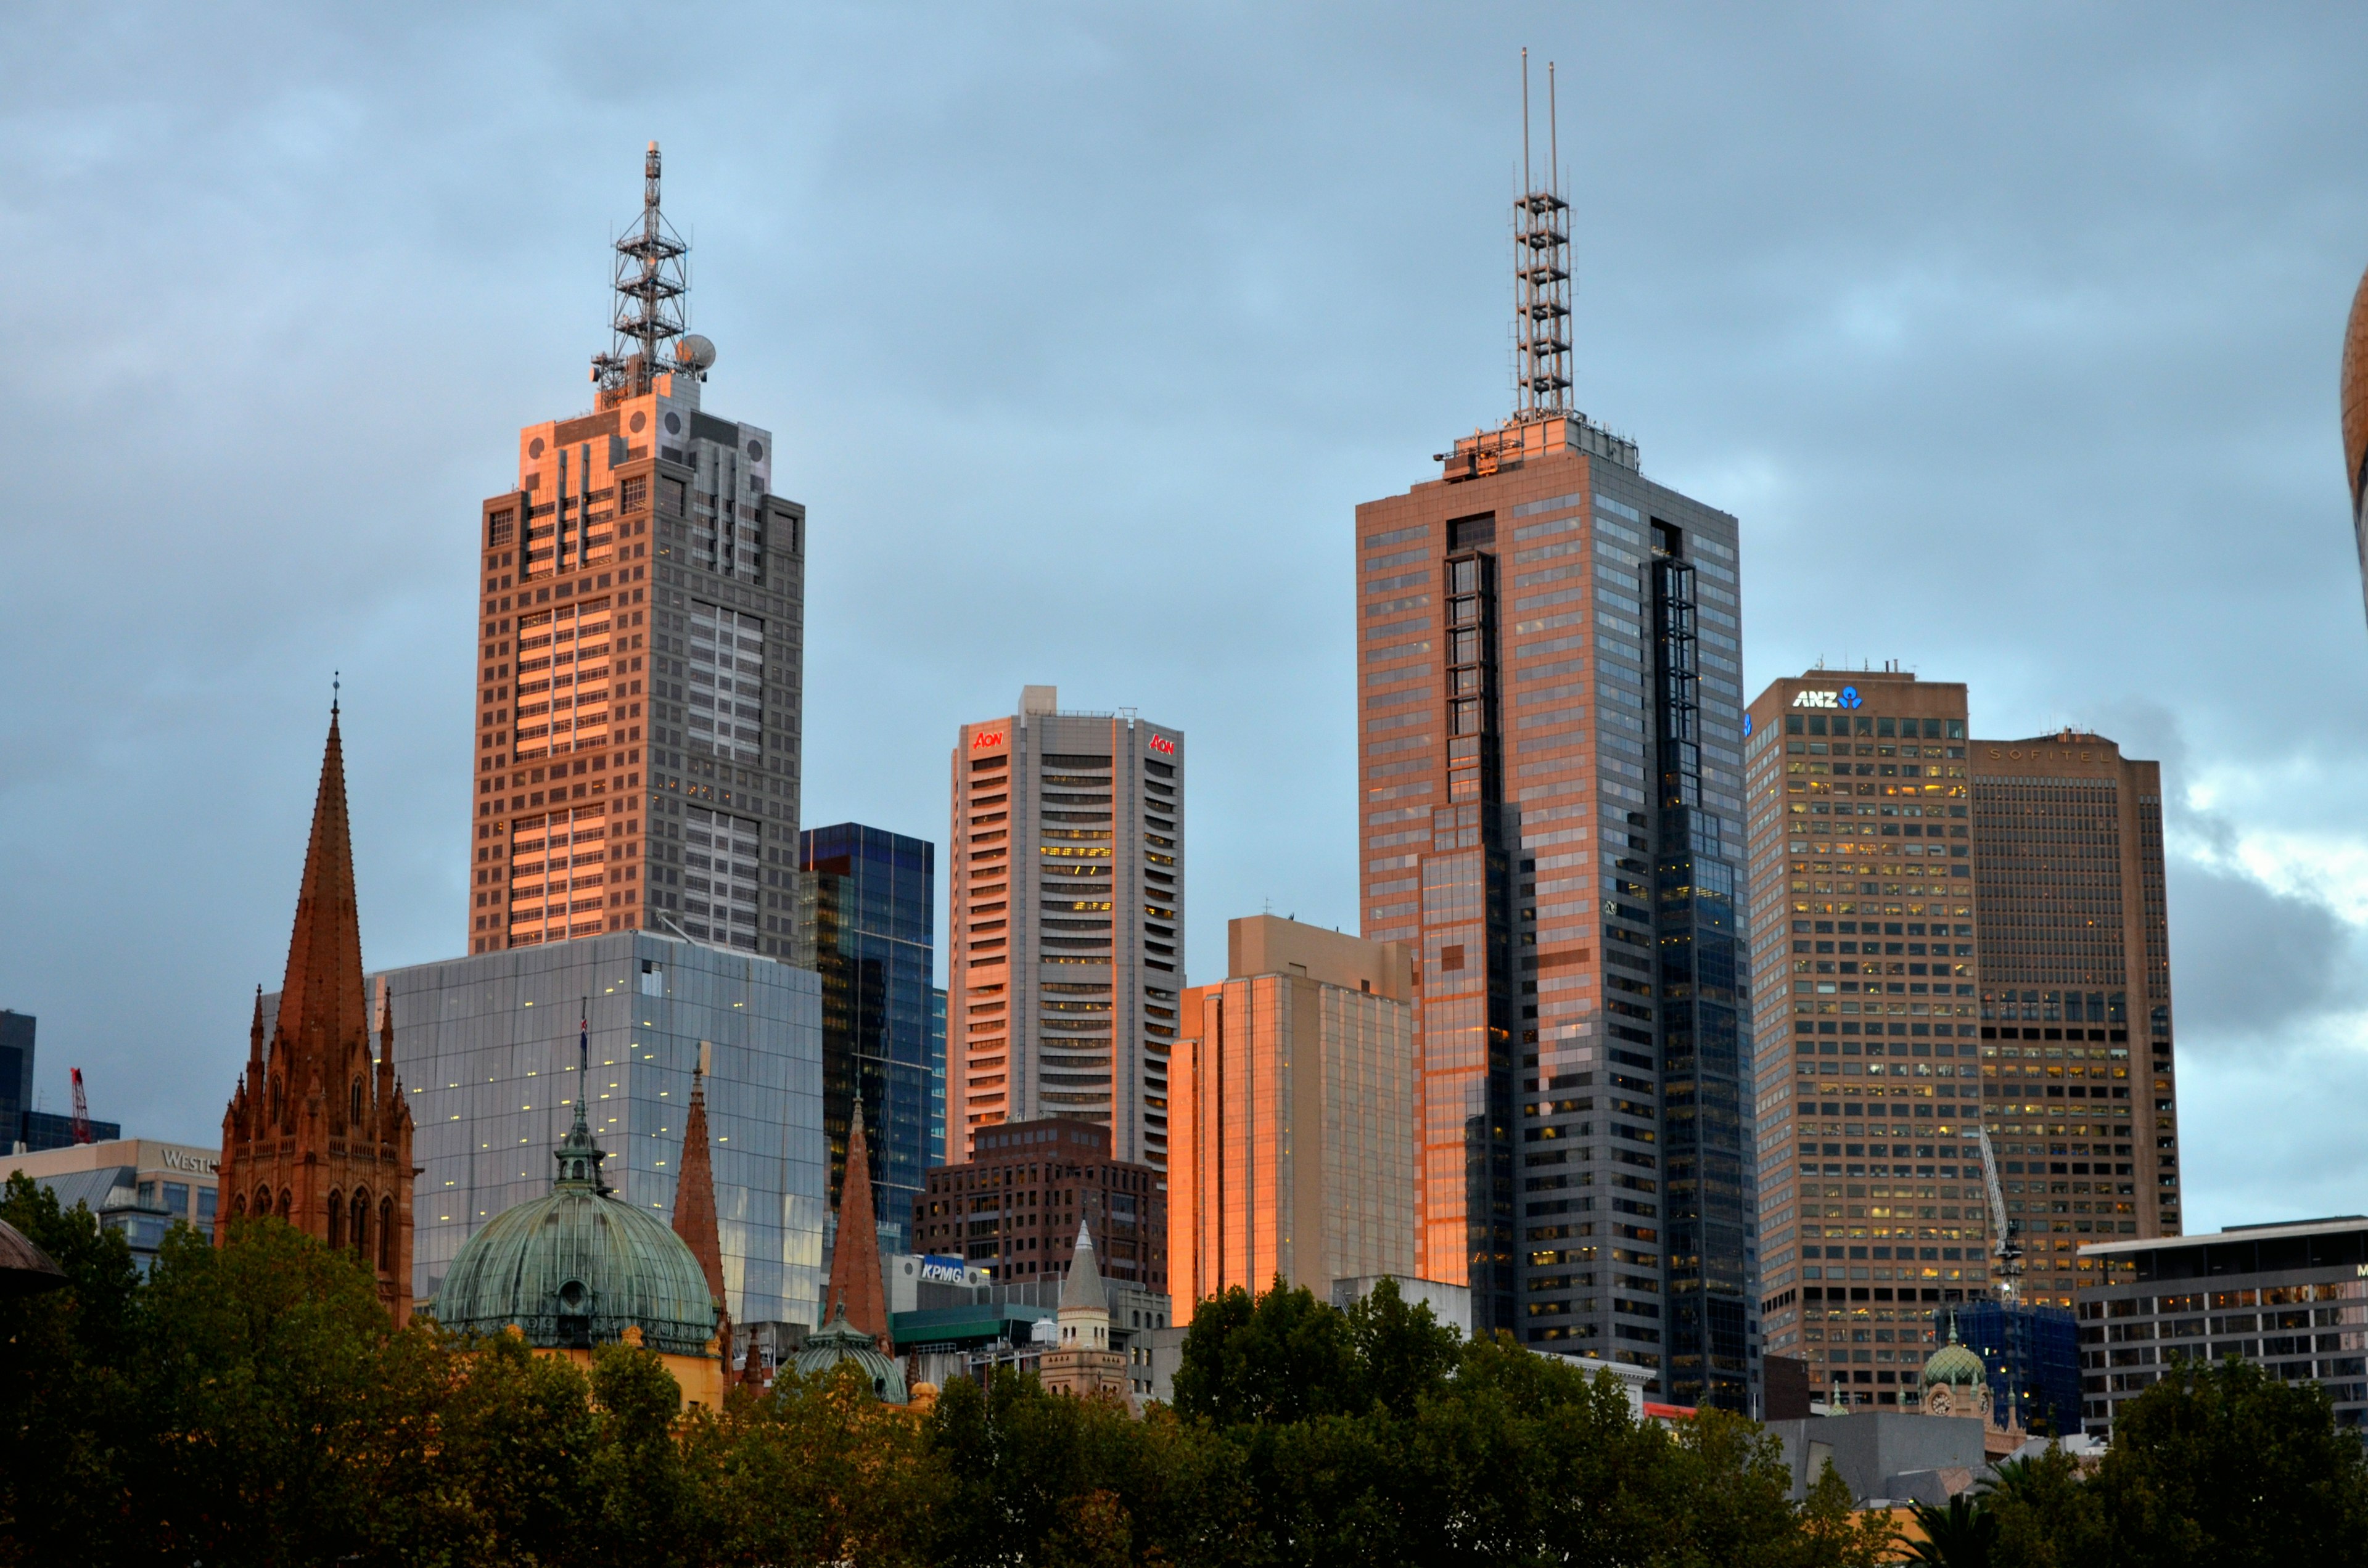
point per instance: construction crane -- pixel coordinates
(2009, 1249)
(81, 1110)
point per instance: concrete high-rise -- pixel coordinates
(866, 907)
(1550, 707)
(1066, 947)
(1293, 1114)
(640, 654)
(1865, 936)
(2080, 1094)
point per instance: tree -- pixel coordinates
(283, 1430)
(1962, 1535)
(815, 1470)
(1284, 1358)
(1834, 1534)
(71, 1425)
(2226, 1466)
(2047, 1515)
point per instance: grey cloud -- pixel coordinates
(2253, 968)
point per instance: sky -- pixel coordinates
(2009, 333)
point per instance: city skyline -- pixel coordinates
(222, 673)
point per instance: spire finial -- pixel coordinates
(650, 280)
(337, 682)
(1541, 270)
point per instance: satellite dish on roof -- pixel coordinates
(694, 352)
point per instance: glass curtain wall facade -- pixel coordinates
(486, 1049)
(1549, 682)
(866, 926)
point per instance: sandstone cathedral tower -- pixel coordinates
(317, 1132)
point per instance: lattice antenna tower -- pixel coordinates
(651, 283)
(1541, 270)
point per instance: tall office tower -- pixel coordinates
(640, 652)
(1550, 706)
(1066, 947)
(1293, 1094)
(865, 905)
(2076, 961)
(1864, 931)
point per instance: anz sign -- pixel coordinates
(1847, 697)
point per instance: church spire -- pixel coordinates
(694, 1201)
(855, 1258)
(324, 1017)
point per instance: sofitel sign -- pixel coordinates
(1846, 697)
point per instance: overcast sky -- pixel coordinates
(2011, 339)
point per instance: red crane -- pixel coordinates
(81, 1110)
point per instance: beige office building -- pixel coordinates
(1066, 947)
(1294, 1097)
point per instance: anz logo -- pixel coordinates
(1847, 697)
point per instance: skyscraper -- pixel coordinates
(865, 915)
(640, 652)
(1293, 1114)
(1065, 948)
(2075, 996)
(1863, 871)
(1550, 704)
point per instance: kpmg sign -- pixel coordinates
(1847, 697)
(941, 1270)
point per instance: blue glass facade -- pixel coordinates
(485, 1047)
(866, 926)
(2032, 1356)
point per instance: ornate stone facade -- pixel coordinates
(318, 1133)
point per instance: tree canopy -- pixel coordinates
(250, 1404)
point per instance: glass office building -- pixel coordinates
(865, 907)
(485, 1047)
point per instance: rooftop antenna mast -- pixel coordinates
(1541, 270)
(651, 282)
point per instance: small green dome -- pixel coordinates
(1954, 1365)
(577, 1267)
(841, 1340)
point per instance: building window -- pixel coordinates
(726, 693)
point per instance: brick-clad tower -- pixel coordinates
(318, 1131)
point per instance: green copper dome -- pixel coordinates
(577, 1267)
(839, 1340)
(1954, 1365)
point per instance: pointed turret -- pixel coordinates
(855, 1258)
(324, 1017)
(1083, 1289)
(694, 1205)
